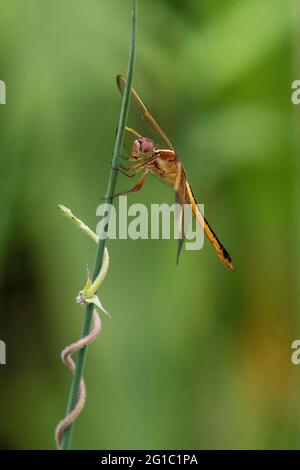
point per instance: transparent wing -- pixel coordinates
(180, 197)
(121, 81)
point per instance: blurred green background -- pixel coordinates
(194, 356)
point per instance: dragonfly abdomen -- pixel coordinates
(220, 249)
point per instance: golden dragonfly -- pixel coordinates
(166, 165)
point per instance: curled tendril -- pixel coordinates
(88, 295)
(68, 361)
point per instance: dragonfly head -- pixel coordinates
(143, 148)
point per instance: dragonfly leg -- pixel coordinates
(127, 168)
(137, 186)
(133, 167)
(138, 167)
(124, 171)
(129, 158)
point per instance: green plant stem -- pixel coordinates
(66, 443)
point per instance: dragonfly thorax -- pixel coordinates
(143, 148)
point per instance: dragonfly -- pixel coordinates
(165, 164)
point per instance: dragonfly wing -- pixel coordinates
(121, 81)
(180, 196)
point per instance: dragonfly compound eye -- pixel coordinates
(146, 146)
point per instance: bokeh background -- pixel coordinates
(194, 356)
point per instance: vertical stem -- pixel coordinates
(66, 443)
